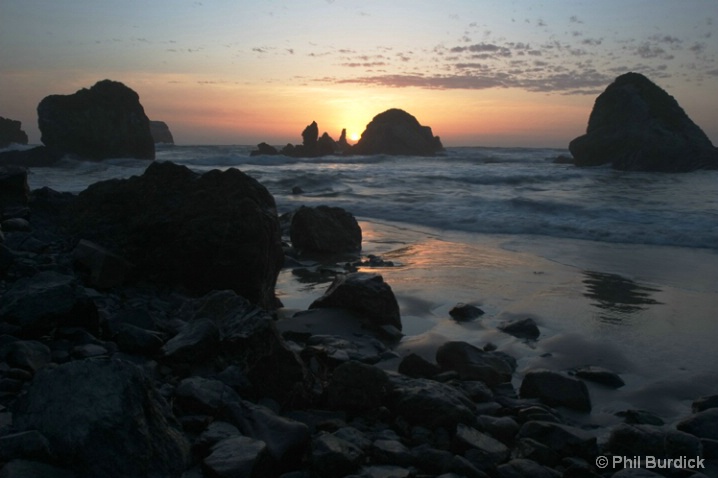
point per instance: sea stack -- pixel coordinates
(636, 126)
(397, 132)
(11, 132)
(105, 121)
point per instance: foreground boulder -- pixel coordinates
(105, 418)
(637, 126)
(365, 293)
(161, 132)
(104, 121)
(397, 132)
(325, 229)
(556, 390)
(11, 132)
(14, 191)
(204, 232)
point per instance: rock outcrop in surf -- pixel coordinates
(636, 126)
(393, 132)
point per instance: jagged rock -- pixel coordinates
(397, 132)
(11, 132)
(365, 293)
(264, 149)
(97, 413)
(472, 363)
(226, 328)
(214, 231)
(326, 145)
(429, 403)
(556, 390)
(161, 132)
(325, 229)
(637, 126)
(104, 121)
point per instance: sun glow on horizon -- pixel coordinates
(354, 136)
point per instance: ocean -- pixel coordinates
(619, 269)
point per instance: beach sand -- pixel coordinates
(645, 312)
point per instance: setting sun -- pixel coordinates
(354, 137)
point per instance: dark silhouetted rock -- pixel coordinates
(39, 156)
(485, 451)
(556, 390)
(465, 312)
(98, 413)
(342, 145)
(214, 231)
(472, 363)
(637, 126)
(334, 456)
(397, 132)
(104, 121)
(226, 328)
(365, 293)
(522, 328)
(310, 136)
(264, 149)
(325, 229)
(11, 132)
(161, 132)
(704, 403)
(326, 145)
(415, 366)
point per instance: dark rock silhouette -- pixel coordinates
(394, 132)
(397, 132)
(325, 229)
(39, 156)
(161, 132)
(215, 231)
(11, 132)
(637, 126)
(105, 121)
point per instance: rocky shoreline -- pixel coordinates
(110, 368)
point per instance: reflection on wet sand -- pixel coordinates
(617, 296)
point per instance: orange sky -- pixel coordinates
(479, 73)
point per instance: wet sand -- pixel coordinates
(648, 313)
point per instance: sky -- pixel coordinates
(519, 73)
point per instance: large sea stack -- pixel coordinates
(105, 121)
(636, 126)
(397, 132)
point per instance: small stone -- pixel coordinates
(523, 329)
(600, 375)
(237, 456)
(464, 312)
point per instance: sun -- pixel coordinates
(354, 137)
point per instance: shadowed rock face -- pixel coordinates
(637, 126)
(218, 230)
(161, 132)
(397, 132)
(105, 121)
(11, 132)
